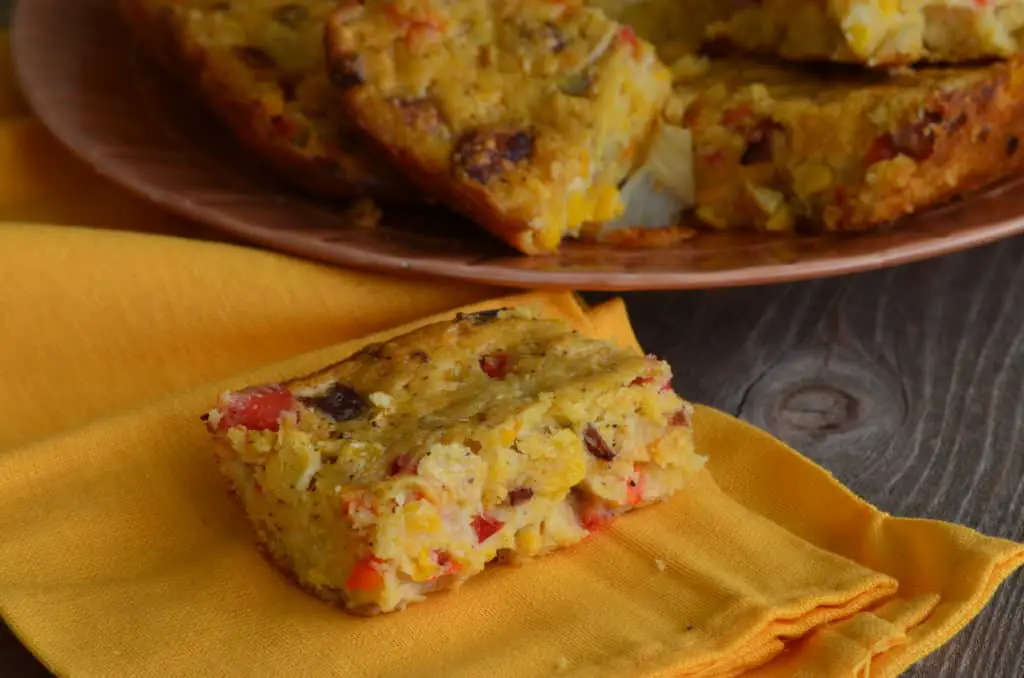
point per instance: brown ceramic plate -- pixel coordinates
(124, 118)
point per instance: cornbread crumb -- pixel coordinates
(382, 400)
(660, 565)
(563, 664)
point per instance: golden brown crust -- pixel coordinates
(394, 138)
(976, 137)
(342, 168)
(438, 185)
(778, 147)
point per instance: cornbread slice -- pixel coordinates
(259, 66)
(876, 32)
(409, 466)
(777, 147)
(524, 115)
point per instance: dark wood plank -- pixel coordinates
(907, 384)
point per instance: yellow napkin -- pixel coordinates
(120, 554)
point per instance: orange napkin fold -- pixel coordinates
(120, 554)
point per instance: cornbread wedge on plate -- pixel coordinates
(408, 467)
(876, 32)
(525, 116)
(259, 66)
(836, 148)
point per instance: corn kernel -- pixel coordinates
(707, 214)
(811, 179)
(424, 567)
(858, 35)
(508, 436)
(577, 209)
(781, 221)
(417, 519)
(528, 541)
(608, 204)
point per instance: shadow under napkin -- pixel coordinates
(122, 556)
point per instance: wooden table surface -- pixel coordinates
(906, 383)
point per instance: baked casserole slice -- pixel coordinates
(258, 65)
(411, 465)
(525, 116)
(778, 147)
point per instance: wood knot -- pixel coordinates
(827, 402)
(821, 408)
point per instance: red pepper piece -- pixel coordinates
(628, 36)
(364, 576)
(258, 408)
(712, 158)
(643, 381)
(447, 564)
(733, 117)
(635, 487)
(883, 148)
(680, 418)
(350, 505)
(404, 464)
(485, 526)
(595, 516)
(495, 365)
